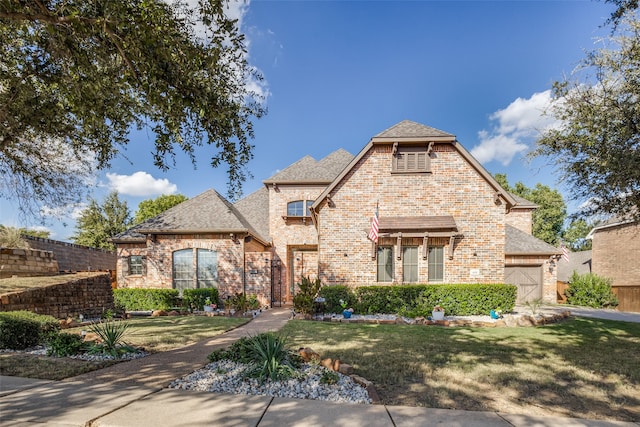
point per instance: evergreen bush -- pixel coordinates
(24, 329)
(590, 290)
(136, 299)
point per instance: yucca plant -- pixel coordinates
(272, 360)
(111, 333)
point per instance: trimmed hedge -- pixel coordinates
(136, 299)
(194, 299)
(419, 300)
(24, 329)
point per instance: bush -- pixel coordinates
(135, 299)
(590, 290)
(195, 299)
(266, 353)
(303, 300)
(65, 344)
(419, 300)
(24, 329)
(334, 294)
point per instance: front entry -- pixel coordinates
(303, 263)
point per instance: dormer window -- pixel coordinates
(299, 208)
(411, 159)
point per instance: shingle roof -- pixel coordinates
(579, 262)
(409, 129)
(255, 208)
(207, 212)
(521, 202)
(518, 242)
(308, 169)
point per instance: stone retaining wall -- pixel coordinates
(89, 296)
(27, 262)
(72, 257)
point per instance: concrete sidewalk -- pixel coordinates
(134, 393)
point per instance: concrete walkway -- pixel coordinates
(134, 394)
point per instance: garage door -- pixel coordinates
(527, 279)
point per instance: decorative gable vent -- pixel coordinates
(411, 159)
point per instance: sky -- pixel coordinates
(336, 73)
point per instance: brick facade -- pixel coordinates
(522, 219)
(615, 252)
(158, 253)
(453, 188)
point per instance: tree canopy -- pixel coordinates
(77, 76)
(98, 223)
(153, 207)
(548, 219)
(597, 142)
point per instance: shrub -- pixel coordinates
(590, 290)
(24, 329)
(303, 300)
(135, 299)
(333, 294)
(111, 334)
(195, 299)
(266, 353)
(65, 344)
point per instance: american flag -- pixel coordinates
(565, 253)
(373, 233)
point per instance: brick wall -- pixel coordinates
(27, 262)
(158, 260)
(453, 188)
(89, 296)
(522, 219)
(291, 235)
(615, 254)
(72, 257)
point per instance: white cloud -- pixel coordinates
(514, 128)
(140, 184)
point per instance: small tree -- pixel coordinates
(10, 237)
(153, 207)
(99, 223)
(303, 300)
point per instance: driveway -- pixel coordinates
(595, 313)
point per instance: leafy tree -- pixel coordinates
(574, 235)
(99, 223)
(548, 218)
(77, 75)
(597, 143)
(153, 207)
(35, 233)
(11, 237)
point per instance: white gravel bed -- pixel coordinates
(42, 351)
(226, 376)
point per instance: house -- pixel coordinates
(615, 253)
(442, 218)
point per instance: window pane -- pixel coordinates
(436, 264)
(135, 264)
(294, 208)
(385, 264)
(410, 264)
(183, 269)
(207, 268)
(307, 212)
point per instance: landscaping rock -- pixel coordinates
(158, 313)
(345, 369)
(308, 354)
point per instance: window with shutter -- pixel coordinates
(411, 159)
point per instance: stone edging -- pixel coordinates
(508, 320)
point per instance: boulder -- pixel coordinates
(308, 354)
(158, 313)
(327, 363)
(345, 369)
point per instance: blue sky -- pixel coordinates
(339, 72)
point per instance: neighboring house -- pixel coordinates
(442, 219)
(616, 255)
(579, 262)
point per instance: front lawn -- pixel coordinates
(155, 334)
(578, 368)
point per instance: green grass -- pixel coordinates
(579, 368)
(155, 334)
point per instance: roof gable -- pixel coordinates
(309, 170)
(409, 129)
(412, 132)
